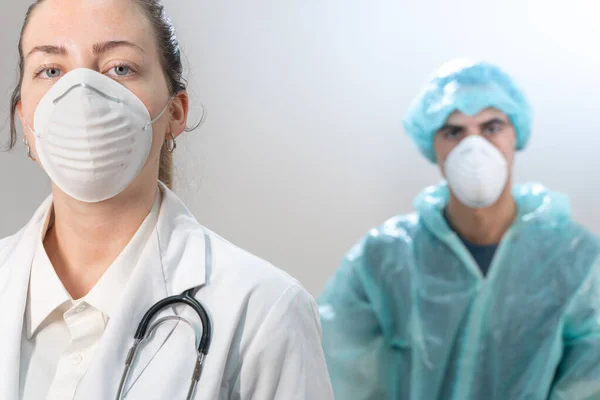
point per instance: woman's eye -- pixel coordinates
(52, 73)
(122, 70)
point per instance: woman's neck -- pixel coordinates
(483, 226)
(86, 238)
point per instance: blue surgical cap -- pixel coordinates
(469, 87)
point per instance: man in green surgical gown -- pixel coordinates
(488, 291)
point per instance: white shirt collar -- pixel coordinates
(46, 291)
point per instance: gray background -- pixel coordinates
(303, 150)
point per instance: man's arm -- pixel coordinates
(352, 336)
(578, 375)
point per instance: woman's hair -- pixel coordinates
(170, 57)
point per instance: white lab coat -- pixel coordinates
(266, 334)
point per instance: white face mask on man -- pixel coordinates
(476, 172)
(93, 135)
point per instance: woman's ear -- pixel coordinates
(179, 114)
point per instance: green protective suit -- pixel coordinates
(409, 315)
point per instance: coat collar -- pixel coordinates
(172, 262)
(181, 242)
(14, 281)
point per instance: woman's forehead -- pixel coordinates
(85, 23)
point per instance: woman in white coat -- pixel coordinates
(102, 100)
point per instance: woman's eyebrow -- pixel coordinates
(100, 48)
(48, 49)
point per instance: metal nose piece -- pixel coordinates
(85, 85)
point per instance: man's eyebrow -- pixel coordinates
(494, 120)
(451, 127)
(100, 48)
(48, 49)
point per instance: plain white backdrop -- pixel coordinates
(303, 150)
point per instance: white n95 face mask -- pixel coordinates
(476, 172)
(93, 135)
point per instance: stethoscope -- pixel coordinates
(144, 329)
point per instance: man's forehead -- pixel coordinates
(460, 118)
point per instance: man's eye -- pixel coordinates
(452, 134)
(494, 128)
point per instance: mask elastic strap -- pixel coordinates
(152, 122)
(34, 133)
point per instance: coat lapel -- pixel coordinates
(14, 283)
(172, 262)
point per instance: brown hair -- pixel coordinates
(170, 55)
